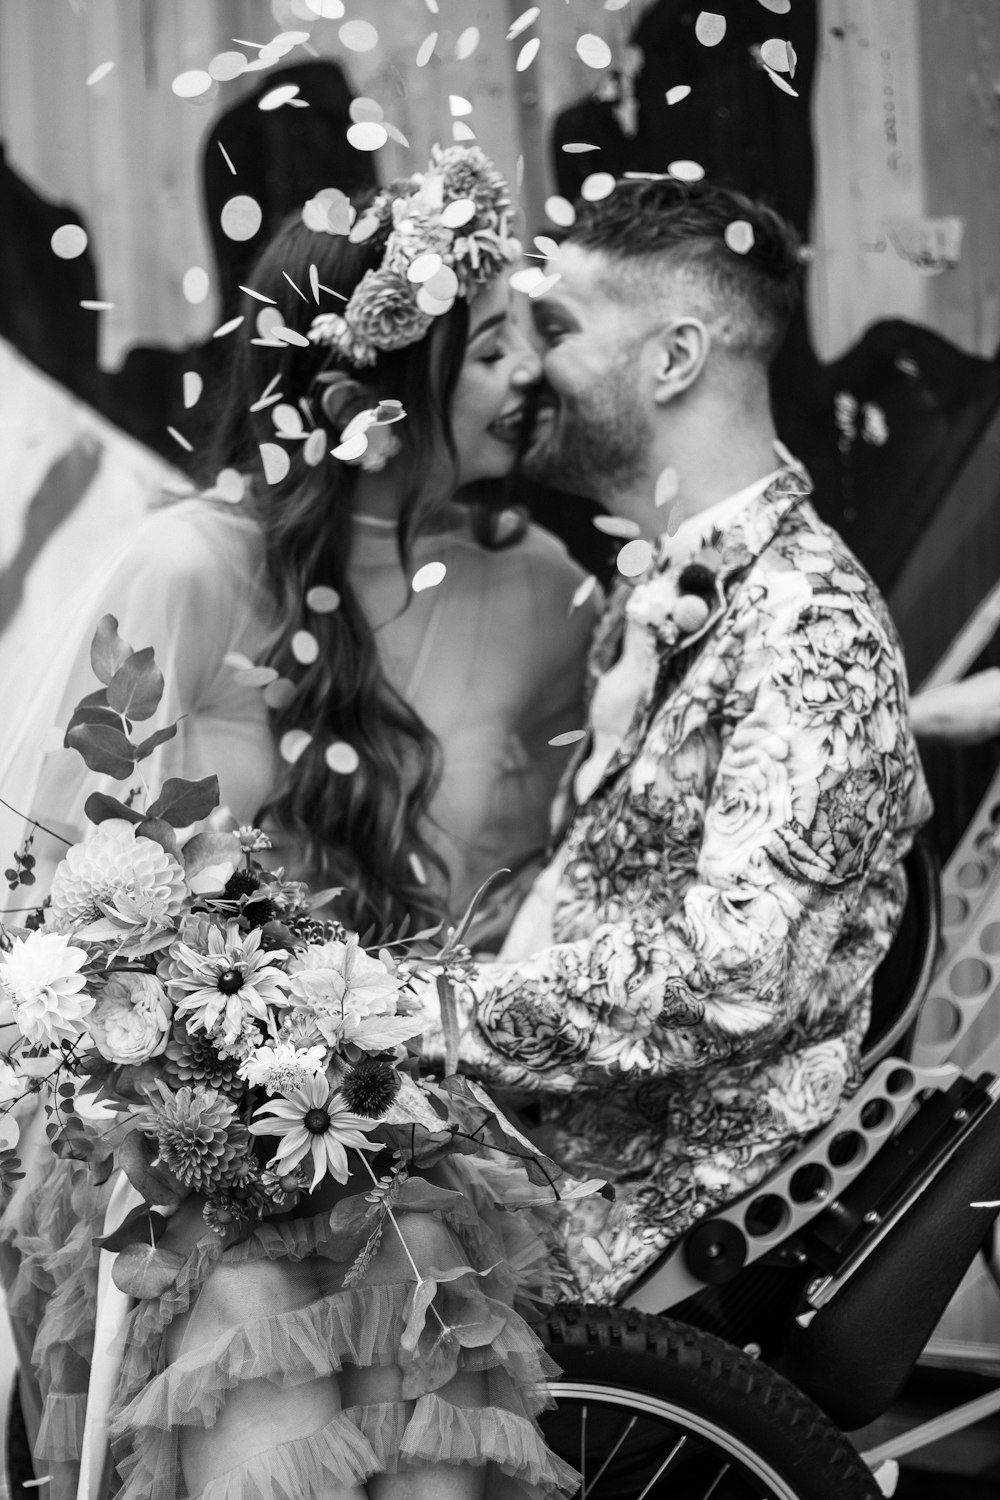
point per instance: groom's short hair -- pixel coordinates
(741, 260)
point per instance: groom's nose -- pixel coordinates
(528, 370)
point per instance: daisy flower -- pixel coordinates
(223, 988)
(312, 1121)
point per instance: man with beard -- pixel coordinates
(687, 986)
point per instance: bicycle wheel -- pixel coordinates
(650, 1409)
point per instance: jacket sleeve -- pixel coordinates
(812, 805)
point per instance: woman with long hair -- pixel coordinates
(373, 655)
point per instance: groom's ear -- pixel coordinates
(680, 350)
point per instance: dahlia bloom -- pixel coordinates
(312, 1121)
(349, 996)
(199, 1137)
(120, 886)
(40, 976)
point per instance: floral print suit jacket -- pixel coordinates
(724, 893)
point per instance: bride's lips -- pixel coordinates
(509, 426)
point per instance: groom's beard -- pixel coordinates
(593, 445)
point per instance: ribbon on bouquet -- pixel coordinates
(113, 1308)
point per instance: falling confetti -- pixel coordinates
(467, 43)
(241, 217)
(575, 147)
(260, 296)
(92, 305)
(367, 135)
(229, 486)
(353, 448)
(571, 737)
(227, 158)
(777, 7)
(192, 84)
(287, 420)
(293, 743)
(710, 28)
(426, 49)
(593, 50)
(458, 212)
(304, 647)
(327, 10)
(193, 386)
(560, 211)
(255, 677)
(195, 284)
(432, 6)
(462, 132)
(739, 236)
(322, 600)
(341, 757)
(686, 171)
(677, 93)
(290, 336)
(275, 461)
(229, 327)
(776, 53)
(227, 65)
(597, 186)
(583, 592)
(417, 866)
(275, 98)
(458, 105)
(527, 279)
(527, 54)
(179, 438)
(780, 82)
(69, 241)
(358, 36)
(615, 4)
(616, 526)
(314, 447)
(428, 577)
(101, 71)
(543, 287)
(548, 247)
(525, 19)
(634, 558)
(667, 486)
(362, 109)
(279, 694)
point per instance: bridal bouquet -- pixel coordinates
(192, 1021)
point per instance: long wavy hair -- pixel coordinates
(364, 831)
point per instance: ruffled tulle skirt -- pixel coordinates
(429, 1354)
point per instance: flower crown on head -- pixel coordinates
(448, 233)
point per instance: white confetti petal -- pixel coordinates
(289, 335)
(634, 558)
(677, 93)
(292, 744)
(467, 43)
(739, 236)
(560, 211)
(524, 20)
(597, 186)
(279, 693)
(426, 49)
(781, 83)
(526, 279)
(458, 105)
(428, 577)
(101, 71)
(443, 285)
(314, 447)
(358, 36)
(195, 284)
(327, 10)
(417, 866)
(191, 84)
(583, 592)
(593, 50)
(276, 462)
(570, 737)
(69, 241)
(228, 327)
(367, 135)
(777, 7)
(424, 267)
(462, 132)
(774, 52)
(434, 307)
(527, 54)
(342, 758)
(352, 449)
(227, 65)
(362, 109)
(548, 247)
(229, 486)
(686, 171)
(255, 676)
(667, 486)
(275, 98)
(241, 217)
(304, 647)
(193, 386)
(616, 526)
(543, 287)
(238, 661)
(322, 600)
(287, 419)
(456, 214)
(576, 148)
(710, 28)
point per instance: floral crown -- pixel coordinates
(448, 232)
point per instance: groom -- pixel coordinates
(686, 988)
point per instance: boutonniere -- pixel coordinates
(678, 606)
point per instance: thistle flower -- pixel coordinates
(370, 1087)
(199, 1137)
(312, 1122)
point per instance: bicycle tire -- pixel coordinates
(740, 1416)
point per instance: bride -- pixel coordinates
(374, 660)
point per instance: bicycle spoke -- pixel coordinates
(614, 1452)
(664, 1466)
(716, 1482)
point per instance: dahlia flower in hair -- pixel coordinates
(313, 1124)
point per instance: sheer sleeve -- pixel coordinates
(189, 583)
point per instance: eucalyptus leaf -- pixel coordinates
(106, 750)
(160, 831)
(142, 1272)
(182, 802)
(137, 687)
(146, 747)
(143, 1226)
(155, 1183)
(100, 806)
(94, 714)
(108, 651)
